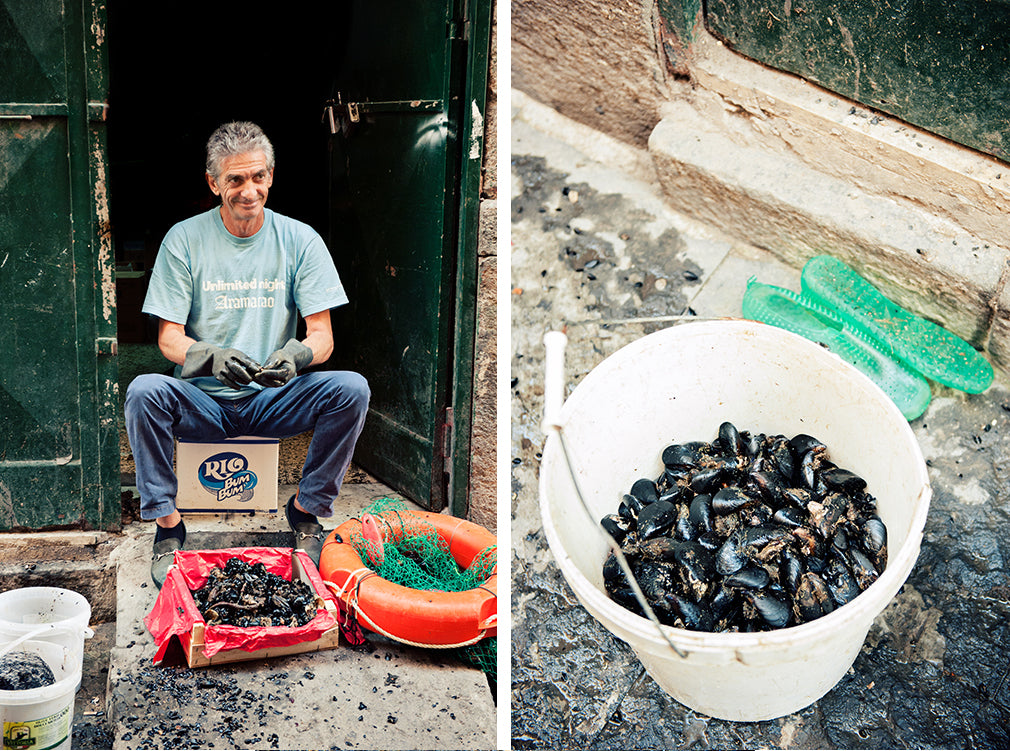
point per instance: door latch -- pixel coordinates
(341, 115)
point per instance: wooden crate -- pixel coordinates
(193, 641)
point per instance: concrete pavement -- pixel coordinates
(381, 695)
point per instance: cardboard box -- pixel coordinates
(176, 615)
(238, 474)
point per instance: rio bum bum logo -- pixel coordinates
(226, 476)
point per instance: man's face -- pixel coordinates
(243, 186)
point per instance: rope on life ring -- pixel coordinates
(420, 618)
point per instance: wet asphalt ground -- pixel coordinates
(596, 252)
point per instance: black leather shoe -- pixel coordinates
(308, 535)
(164, 556)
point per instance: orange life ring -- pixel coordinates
(425, 618)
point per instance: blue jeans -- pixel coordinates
(332, 404)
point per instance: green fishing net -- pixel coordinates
(420, 559)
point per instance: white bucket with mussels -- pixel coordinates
(42, 717)
(52, 623)
(679, 385)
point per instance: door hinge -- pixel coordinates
(107, 345)
(447, 440)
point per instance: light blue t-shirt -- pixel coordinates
(240, 292)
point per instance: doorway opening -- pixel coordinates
(175, 74)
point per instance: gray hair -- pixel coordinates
(232, 139)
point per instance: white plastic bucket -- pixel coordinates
(23, 610)
(678, 385)
(39, 718)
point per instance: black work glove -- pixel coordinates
(284, 364)
(230, 366)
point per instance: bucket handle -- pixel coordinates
(554, 387)
(45, 627)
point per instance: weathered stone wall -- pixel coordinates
(924, 219)
(592, 60)
(483, 437)
(483, 434)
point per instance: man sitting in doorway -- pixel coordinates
(227, 287)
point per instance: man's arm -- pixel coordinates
(173, 341)
(319, 336)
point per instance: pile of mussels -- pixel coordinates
(747, 533)
(247, 595)
(20, 671)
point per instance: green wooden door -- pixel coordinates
(942, 66)
(59, 448)
(399, 125)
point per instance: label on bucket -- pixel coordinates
(47, 732)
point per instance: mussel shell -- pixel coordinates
(617, 526)
(782, 455)
(731, 441)
(730, 557)
(691, 614)
(862, 568)
(749, 577)
(659, 548)
(757, 515)
(624, 596)
(729, 499)
(754, 540)
(697, 567)
(791, 568)
(710, 541)
(701, 513)
(873, 538)
(788, 516)
(810, 463)
(706, 480)
(681, 455)
(840, 540)
(769, 484)
(655, 578)
(675, 493)
(808, 542)
(812, 598)
(722, 601)
(755, 448)
(796, 497)
(613, 575)
(843, 479)
(645, 491)
(656, 519)
(774, 611)
(825, 514)
(841, 583)
(630, 507)
(677, 476)
(801, 443)
(684, 529)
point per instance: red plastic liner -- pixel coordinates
(175, 610)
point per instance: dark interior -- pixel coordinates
(177, 73)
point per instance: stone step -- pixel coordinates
(382, 695)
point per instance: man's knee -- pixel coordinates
(349, 390)
(357, 390)
(142, 390)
